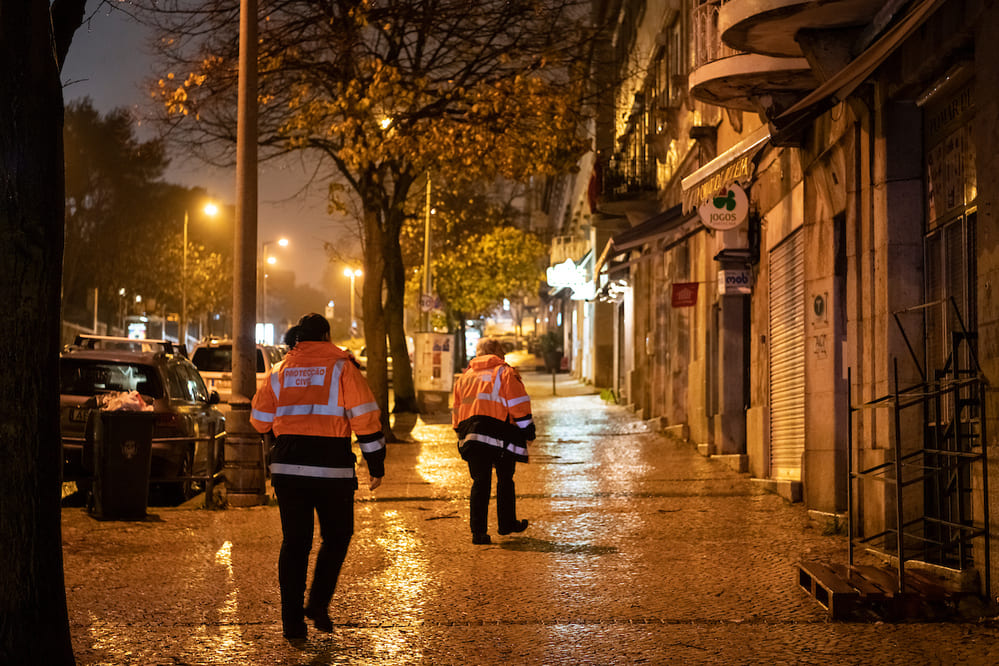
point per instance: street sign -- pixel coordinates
(427, 302)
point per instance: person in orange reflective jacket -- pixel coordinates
(312, 401)
(492, 416)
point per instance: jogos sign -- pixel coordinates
(727, 210)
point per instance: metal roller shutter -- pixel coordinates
(787, 358)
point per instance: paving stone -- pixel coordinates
(639, 551)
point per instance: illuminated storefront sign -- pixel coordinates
(726, 210)
(735, 281)
(568, 275)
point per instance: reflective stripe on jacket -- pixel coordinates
(316, 397)
(492, 408)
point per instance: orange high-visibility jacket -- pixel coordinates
(492, 408)
(317, 397)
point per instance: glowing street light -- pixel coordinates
(269, 259)
(211, 210)
(352, 273)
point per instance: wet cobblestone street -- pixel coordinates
(639, 551)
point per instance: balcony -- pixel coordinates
(736, 79)
(750, 82)
(627, 186)
(771, 27)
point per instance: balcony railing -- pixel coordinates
(623, 179)
(708, 45)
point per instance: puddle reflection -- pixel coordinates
(225, 639)
(401, 584)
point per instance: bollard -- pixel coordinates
(245, 478)
(212, 454)
(553, 381)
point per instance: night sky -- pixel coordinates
(109, 62)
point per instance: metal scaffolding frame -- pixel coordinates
(951, 406)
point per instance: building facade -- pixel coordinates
(831, 330)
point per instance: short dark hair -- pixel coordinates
(312, 327)
(291, 337)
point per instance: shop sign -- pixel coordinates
(735, 281)
(136, 330)
(566, 274)
(684, 294)
(726, 210)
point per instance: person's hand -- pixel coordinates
(374, 482)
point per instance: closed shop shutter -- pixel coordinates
(787, 358)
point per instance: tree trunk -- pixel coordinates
(395, 290)
(34, 623)
(460, 357)
(374, 313)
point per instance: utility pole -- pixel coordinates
(182, 324)
(244, 445)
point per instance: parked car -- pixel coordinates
(361, 357)
(213, 359)
(183, 406)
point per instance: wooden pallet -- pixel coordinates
(840, 590)
(846, 590)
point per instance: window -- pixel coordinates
(219, 359)
(213, 359)
(950, 274)
(90, 377)
(194, 385)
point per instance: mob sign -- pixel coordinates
(726, 210)
(735, 281)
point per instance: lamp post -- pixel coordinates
(211, 210)
(122, 308)
(268, 259)
(425, 296)
(352, 273)
(242, 440)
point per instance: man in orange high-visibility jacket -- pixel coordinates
(492, 416)
(312, 401)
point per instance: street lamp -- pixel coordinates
(122, 307)
(352, 273)
(425, 295)
(268, 259)
(211, 210)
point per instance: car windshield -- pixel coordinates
(219, 359)
(89, 377)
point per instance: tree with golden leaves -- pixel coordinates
(386, 92)
(475, 277)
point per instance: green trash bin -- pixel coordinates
(122, 454)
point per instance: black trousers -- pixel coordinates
(481, 462)
(335, 508)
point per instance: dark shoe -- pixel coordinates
(296, 631)
(320, 619)
(481, 539)
(518, 526)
